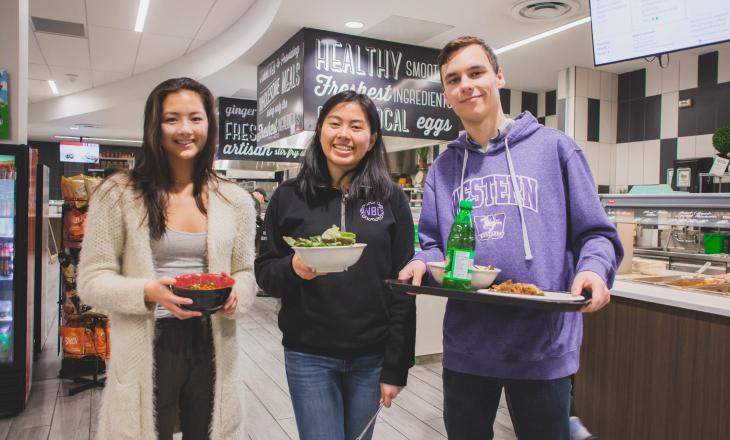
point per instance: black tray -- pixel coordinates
(504, 300)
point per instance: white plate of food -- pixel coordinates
(530, 292)
(546, 296)
(547, 300)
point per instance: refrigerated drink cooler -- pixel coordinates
(18, 165)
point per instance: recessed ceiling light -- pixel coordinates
(73, 127)
(52, 85)
(141, 15)
(354, 24)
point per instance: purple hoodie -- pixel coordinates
(559, 229)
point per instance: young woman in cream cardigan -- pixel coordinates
(171, 369)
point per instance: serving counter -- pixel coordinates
(708, 303)
(655, 363)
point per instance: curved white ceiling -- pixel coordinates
(205, 60)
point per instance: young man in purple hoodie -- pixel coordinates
(538, 218)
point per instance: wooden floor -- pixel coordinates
(416, 414)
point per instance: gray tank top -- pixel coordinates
(177, 253)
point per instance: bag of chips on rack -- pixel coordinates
(91, 184)
(101, 340)
(69, 275)
(72, 340)
(69, 308)
(74, 188)
(73, 227)
(86, 335)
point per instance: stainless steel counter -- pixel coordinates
(689, 300)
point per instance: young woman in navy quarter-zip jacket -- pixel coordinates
(348, 340)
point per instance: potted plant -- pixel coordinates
(422, 154)
(721, 141)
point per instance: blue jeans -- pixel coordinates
(540, 408)
(333, 398)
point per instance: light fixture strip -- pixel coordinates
(85, 138)
(52, 85)
(141, 15)
(546, 34)
(111, 140)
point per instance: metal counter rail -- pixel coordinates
(675, 256)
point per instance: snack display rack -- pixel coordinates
(84, 333)
(115, 159)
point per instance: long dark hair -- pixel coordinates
(370, 177)
(152, 176)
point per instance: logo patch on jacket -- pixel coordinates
(372, 211)
(489, 227)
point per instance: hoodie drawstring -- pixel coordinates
(515, 189)
(463, 170)
(520, 202)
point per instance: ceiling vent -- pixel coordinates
(82, 125)
(539, 10)
(58, 27)
(406, 30)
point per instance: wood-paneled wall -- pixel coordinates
(654, 372)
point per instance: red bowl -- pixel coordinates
(204, 300)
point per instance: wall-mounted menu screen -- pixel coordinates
(629, 29)
(83, 152)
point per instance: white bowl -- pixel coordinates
(330, 258)
(481, 277)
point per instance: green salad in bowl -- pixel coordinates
(332, 251)
(331, 237)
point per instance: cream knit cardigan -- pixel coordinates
(116, 261)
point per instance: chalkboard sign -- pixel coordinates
(237, 134)
(237, 129)
(279, 85)
(402, 80)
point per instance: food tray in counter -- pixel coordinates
(691, 282)
(554, 301)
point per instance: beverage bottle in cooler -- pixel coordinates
(4, 261)
(11, 259)
(460, 250)
(7, 205)
(6, 341)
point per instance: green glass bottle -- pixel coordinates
(460, 250)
